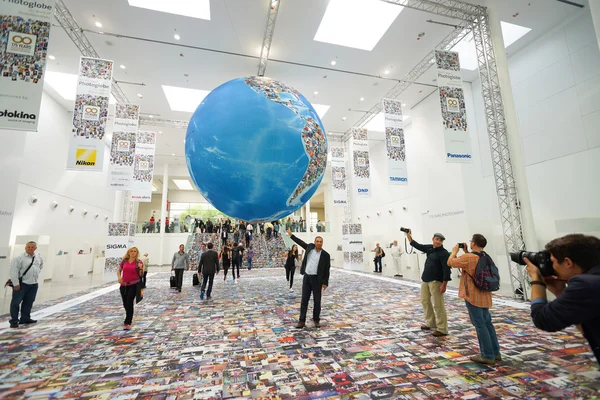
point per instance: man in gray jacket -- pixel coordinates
(179, 264)
(208, 266)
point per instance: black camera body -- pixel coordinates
(541, 259)
(405, 230)
(461, 245)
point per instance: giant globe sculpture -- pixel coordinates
(256, 149)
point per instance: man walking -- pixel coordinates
(378, 256)
(24, 273)
(435, 277)
(208, 266)
(178, 264)
(396, 255)
(315, 268)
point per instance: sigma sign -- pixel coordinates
(116, 246)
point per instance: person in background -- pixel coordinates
(378, 255)
(24, 274)
(235, 259)
(129, 274)
(167, 225)
(319, 226)
(248, 237)
(241, 263)
(224, 235)
(146, 262)
(158, 226)
(275, 228)
(250, 256)
(226, 260)
(208, 266)
(290, 265)
(179, 263)
(396, 256)
(269, 229)
(152, 224)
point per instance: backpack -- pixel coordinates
(382, 253)
(487, 276)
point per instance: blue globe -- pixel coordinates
(256, 149)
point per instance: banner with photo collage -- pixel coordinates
(86, 152)
(122, 149)
(361, 174)
(120, 238)
(143, 166)
(24, 35)
(338, 177)
(452, 102)
(394, 142)
(352, 246)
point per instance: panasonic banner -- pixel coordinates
(394, 142)
(452, 102)
(122, 149)
(86, 152)
(143, 166)
(361, 174)
(338, 177)
(119, 239)
(25, 31)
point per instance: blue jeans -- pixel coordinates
(26, 295)
(486, 333)
(377, 262)
(249, 264)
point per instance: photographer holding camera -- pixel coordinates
(574, 278)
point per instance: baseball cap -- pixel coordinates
(437, 234)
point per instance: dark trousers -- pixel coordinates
(377, 261)
(247, 242)
(26, 295)
(207, 278)
(289, 275)
(235, 263)
(310, 285)
(128, 296)
(225, 269)
(144, 279)
(179, 278)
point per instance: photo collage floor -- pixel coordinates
(242, 344)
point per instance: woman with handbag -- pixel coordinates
(290, 265)
(129, 273)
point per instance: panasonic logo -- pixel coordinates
(398, 179)
(450, 155)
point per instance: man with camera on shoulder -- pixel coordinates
(570, 269)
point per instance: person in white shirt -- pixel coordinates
(396, 255)
(24, 274)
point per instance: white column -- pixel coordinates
(512, 127)
(163, 211)
(309, 235)
(595, 10)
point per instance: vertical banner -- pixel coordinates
(120, 238)
(354, 246)
(452, 102)
(345, 243)
(143, 167)
(86, 152)
(394, 142)
(122, 149)
(360, 163)
(24, 34)
(338, 177)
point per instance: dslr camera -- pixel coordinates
(405, 230)
(541, 259)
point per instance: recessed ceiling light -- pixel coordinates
(183, 184)
(316, 92)
(362, 99)
(139, 95)
(173, 154)
(98, 24)
(321, 109)
(403, 104)
(64, 84)
(188, 8)
(122, 66)
(176, 36)
(359, 24)
(151, 116)
(184, 99)
(386, 72)
(511, 32)
(51, 57)
(159, 131)
(333, 62)
(343, 118)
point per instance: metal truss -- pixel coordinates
(506, 188)
(72, 28)
(169, 123)
(268, 38)
(447, 8)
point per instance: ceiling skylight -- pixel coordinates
(511, 32)
(183, 184)
(321, 109)
(188, 8)
(184, 99)
(66, 85)
(359, 24)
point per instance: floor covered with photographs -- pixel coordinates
(242, 344)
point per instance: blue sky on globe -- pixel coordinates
(256, 149)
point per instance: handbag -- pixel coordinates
(9, 282)
(139, 287)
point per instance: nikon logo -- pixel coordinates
(450, 155)
(31, 4)
(87, 163)
(85, 158)
(115, 246)
(16, 114)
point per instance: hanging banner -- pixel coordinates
(120, 238)
(86, 152)
(452, 102)
(338, 177)
(360, 162)
(143, 167)
(122, 149)
(394, 142)
(24, 33)
(352, 246)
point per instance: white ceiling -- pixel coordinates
(237, 26)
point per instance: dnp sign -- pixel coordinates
(363, 190)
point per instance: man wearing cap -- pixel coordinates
(435, 277)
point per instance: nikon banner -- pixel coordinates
(120, 238)
(452, 102)
(143, 167)
(24, 34)
(361, 174)
(352, 246)
(338, 177)
(122, 149)
(394, 142)
(86, 152)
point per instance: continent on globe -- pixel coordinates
(256, 149)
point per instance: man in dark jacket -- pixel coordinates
(435, 277)
(208, 266)
(315, 268)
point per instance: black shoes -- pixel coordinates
(14, 324)
(29, 321)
